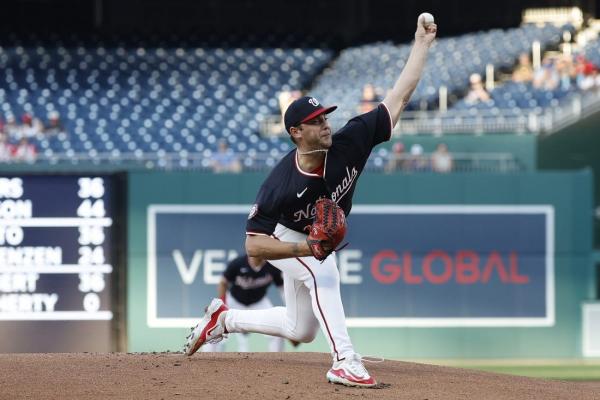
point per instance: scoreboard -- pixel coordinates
(57, 262)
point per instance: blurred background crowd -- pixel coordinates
(16, 136)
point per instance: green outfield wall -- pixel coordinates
(566, 198)
(572, 148)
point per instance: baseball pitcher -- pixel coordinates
(298, 221)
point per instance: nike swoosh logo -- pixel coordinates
(210, 331)
(302, 192)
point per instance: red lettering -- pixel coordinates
(494, 261)
(514, 270)
(409, 278)
(467, 267)
(438, 267)
(427, 270)
(392, 271)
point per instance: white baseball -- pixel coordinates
(426, 18)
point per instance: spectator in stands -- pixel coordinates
(441, 159)
(11, 128)
(6, 149)
(477, 92)
(523, 71)
(225, 160)
(25, 151)
(369, 100)
(417, 161)
(586, 73)
(397, 161)
(546, 77)
(566, 71)
(54, 125)
(31, 127)
(589, 82)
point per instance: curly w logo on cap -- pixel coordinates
(302, 110)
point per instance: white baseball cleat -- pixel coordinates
(211, 329)
(350, 372)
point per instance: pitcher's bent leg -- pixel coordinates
(295, 321)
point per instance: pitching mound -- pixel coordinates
(255, 376)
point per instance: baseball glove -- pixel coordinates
(328, 228)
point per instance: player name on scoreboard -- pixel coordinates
(55, 241)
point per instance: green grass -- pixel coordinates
(587, 370)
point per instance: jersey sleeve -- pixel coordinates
(370, 129)
(265, 213)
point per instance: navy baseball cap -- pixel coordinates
(302, 110)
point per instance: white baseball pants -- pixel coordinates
(312, 298)
(276, 343)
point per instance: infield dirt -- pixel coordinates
(255, 376)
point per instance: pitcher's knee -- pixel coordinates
(304, 335)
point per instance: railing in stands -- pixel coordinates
(260, 162)
(476, 121)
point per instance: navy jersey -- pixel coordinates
(288, 194)
(248, 285)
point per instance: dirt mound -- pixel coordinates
(255, 376)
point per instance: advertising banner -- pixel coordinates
(430, 266)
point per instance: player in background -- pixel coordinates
(321, 165)
(244, 287)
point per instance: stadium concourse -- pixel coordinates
(170, 103)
